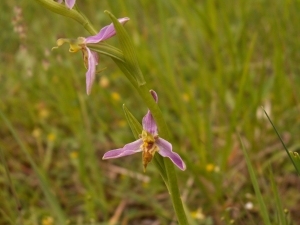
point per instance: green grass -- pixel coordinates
(213, 65)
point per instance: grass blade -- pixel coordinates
(41, 177)
(263, 209)
(280, 210)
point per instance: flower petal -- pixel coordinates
(165, 150)
(148, 122)
(106, 32)
(70, 3)
(128, 149)
(59, 1)
(91, 72)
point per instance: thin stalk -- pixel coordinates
(163, 132)
(262, 206)
(284, 146)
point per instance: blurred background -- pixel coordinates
(213, 64)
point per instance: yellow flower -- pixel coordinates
(51, 137)
(48, 221)
(115, 96)
(210, 167)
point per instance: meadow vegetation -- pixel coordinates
(213, 64)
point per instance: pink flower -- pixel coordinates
(90, 58)
(148, 144)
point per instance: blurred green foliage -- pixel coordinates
(213, 64)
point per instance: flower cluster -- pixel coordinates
(149, 143)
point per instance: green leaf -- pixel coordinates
(263, 209)
(128, 49)
(134, 124)
(107, 50)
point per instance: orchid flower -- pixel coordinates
(149, 143)
(69, 3)
(90, 58)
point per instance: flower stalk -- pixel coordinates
(165, 164)
(127, 61)
(143, 91)
(169, 167)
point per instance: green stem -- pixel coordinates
(143, 90)
(72, 13)
(158, 162)
(171, 182)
